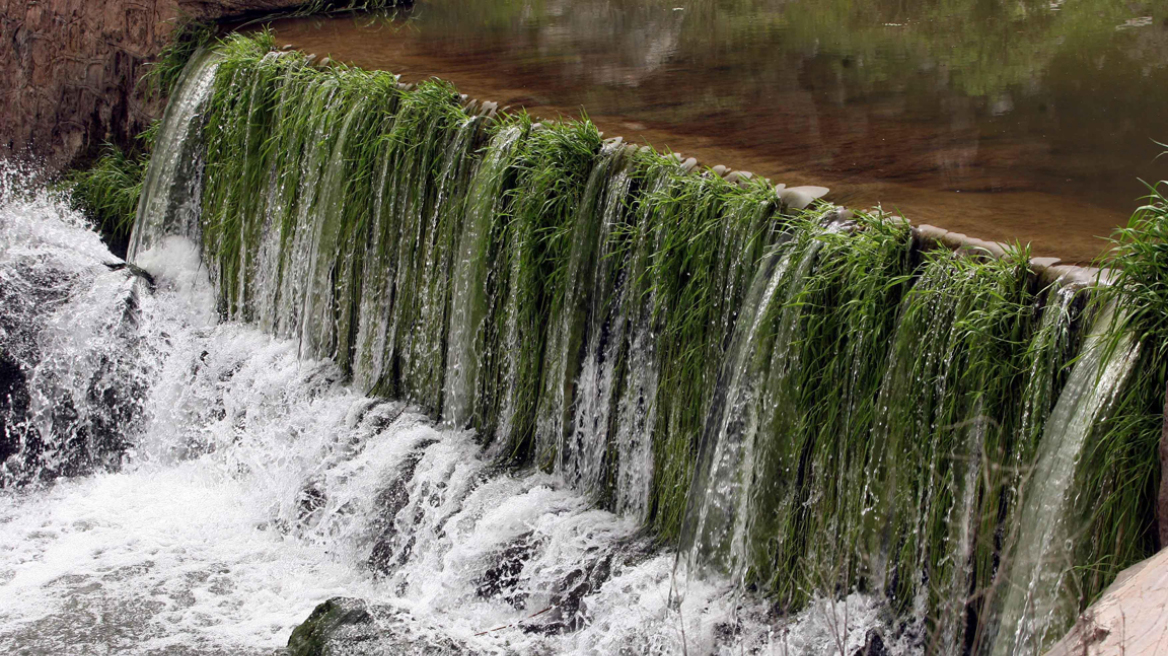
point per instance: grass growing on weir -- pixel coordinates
(108, 192)
(476, 266)
(819, 399)
(548, 172)
(949, 406)
(708, 235)
(1121, 471)
(164, 73)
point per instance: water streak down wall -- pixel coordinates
(811, 402)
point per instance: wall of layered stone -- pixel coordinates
(69, 69)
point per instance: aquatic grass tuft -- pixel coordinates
(707, 235)
(550, 168)
(107, 192)
(816, 440)
(1121, 473)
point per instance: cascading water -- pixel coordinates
(1040, 598)
(469, 292)
(172, 187)
(677, 417)
(75, 364)
(713, 533)
(256, 483)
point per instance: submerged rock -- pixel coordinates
(504, 574)
(569, 609)
(391, 548)
(344, 626)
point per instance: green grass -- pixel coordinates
(548, 172)
(822, 378)
(706, 235)
(163, 74)
(1120, 475)
(107, 192)
(958, 368)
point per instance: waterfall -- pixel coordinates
(1039, 601)
(712, 534)
(581, 366)
(172, 186)
(469, 291)
(819, 429)
(75, 363)
(255, 482)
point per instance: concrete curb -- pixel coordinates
(1046, 269)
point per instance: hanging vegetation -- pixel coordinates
(813, 402)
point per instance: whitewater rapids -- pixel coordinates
(255, 485)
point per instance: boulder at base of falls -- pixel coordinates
(344, 626)
(873, 645)
(1130, 618)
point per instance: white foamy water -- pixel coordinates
(252, 485)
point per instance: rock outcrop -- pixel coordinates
(1130, 618)
(71, 67)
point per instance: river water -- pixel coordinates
(191, 462)
(1024, 120)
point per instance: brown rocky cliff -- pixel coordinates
(71, 66)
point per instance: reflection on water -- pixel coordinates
(924, 105)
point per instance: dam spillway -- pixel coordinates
(645, 378)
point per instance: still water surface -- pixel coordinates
(1008, 120)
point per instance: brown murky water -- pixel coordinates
(1020, 120)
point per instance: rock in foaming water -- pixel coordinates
(344, 626)
(70, 345)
